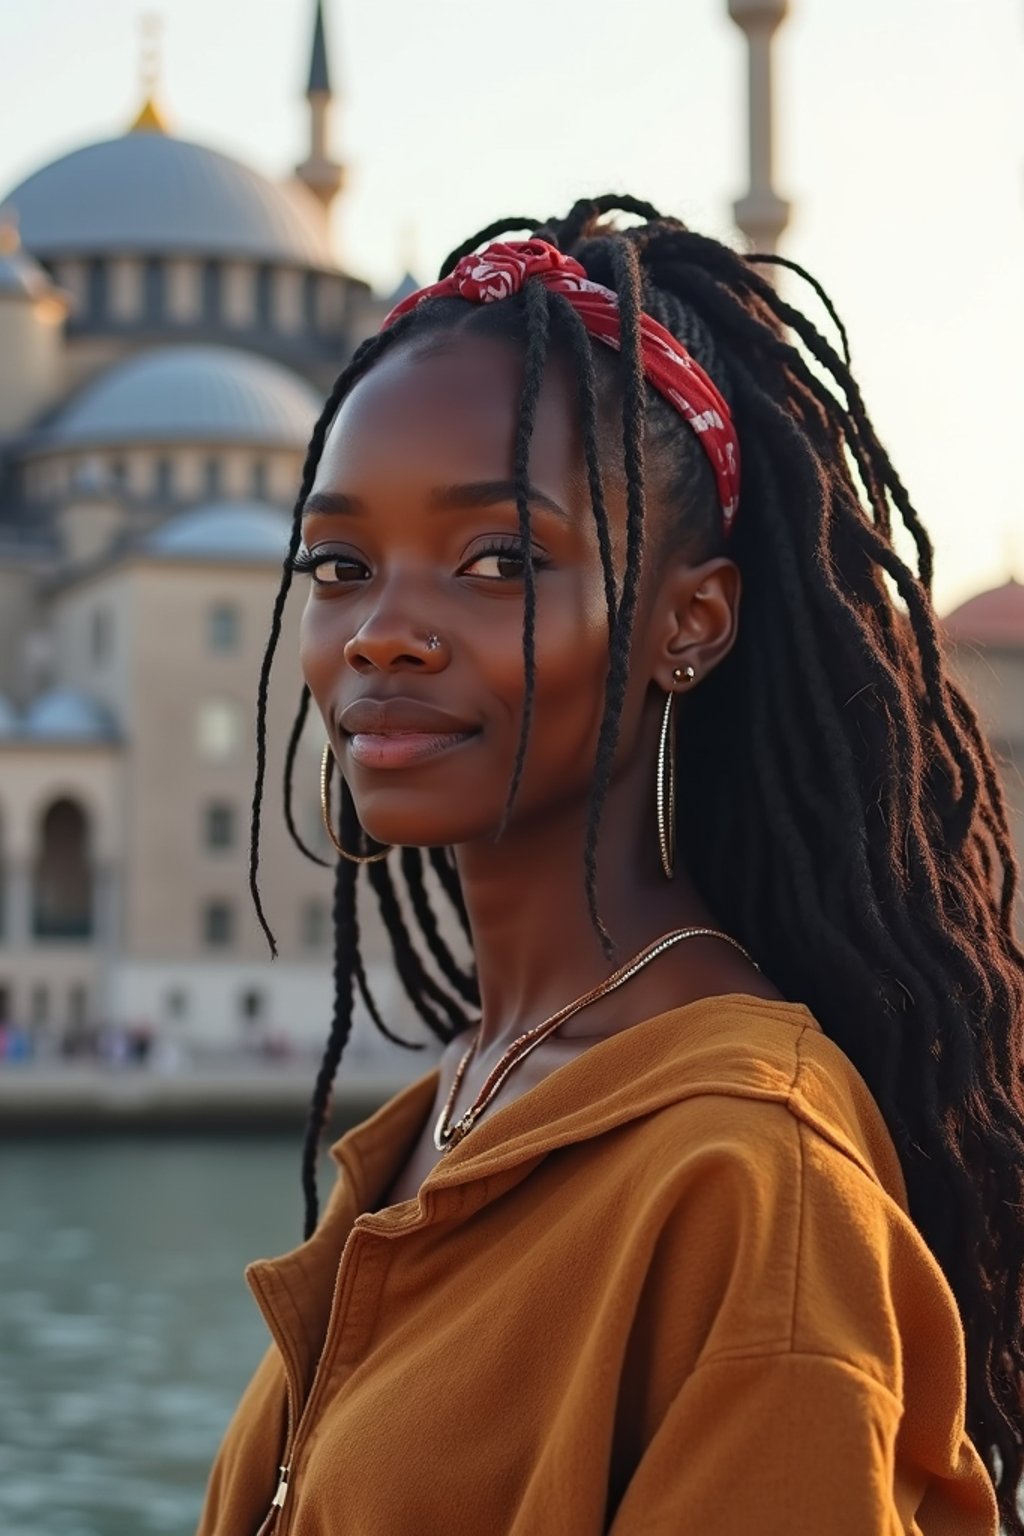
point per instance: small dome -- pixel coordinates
(149, 192)
(190, 394)
(64, 714)
(227, 530)
(995, 618)
(21, 276)
(8, 718)
(406, 288)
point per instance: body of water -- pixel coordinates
(127, 1329)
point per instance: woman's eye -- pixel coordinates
(333, 572)
(501, 563)
(330, 570)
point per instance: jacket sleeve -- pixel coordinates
(777, 1444)
(827, 1388)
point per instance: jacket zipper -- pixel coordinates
(276, 1502)
(274, 1520)
(283, 1471)
(273, 1514)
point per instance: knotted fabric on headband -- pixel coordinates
(502, 268)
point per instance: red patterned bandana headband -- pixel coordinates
(502, 268)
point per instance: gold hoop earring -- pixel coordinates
(665, 778)
(326, 766)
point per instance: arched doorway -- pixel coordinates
(62, 906)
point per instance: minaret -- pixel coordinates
(761, 214)
(323, 176)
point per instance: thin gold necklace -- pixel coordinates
(448, 1135)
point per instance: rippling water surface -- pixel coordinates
(127, 1329)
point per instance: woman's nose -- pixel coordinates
(381, 645)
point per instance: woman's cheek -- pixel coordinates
(323, 634)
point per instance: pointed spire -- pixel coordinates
(321, 173)
(319, 75)
(149, 118)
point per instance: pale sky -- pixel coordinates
(900, 142)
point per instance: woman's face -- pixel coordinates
(412, 514)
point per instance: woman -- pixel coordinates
(710, 1218)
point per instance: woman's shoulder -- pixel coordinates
(754, 1075)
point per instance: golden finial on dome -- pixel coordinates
(149, 119)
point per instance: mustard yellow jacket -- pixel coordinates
(671, 1289)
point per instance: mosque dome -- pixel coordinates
(195, 394)
(226, 530)
(995, 617)
(151, 192)
(64, 714)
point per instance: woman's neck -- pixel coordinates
(536, 946)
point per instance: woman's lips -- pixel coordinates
(400, 749)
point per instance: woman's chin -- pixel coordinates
(409, 832)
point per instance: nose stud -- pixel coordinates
(433, 642)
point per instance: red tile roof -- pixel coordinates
(994, 618)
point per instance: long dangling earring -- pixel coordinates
(665, 779)
(325, 810)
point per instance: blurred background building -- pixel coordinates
(169, 322)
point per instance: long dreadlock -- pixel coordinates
(833, 758)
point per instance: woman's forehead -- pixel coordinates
(450, 410)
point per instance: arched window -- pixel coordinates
(63, 894)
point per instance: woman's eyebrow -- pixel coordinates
(444, 498)
(487, 493)
(332, 504)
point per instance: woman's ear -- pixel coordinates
(695, 619)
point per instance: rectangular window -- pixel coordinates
(314, 924)
(176, 1003)
(212, 477)
(251, 1005)
(265, 295)
(218, 924)
(154, 291)
(163, 480)
(78, 1005)
(96, 293)
(222, 627)
(219, 825)
(211, 291)
(101, 634)
(218, 729)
